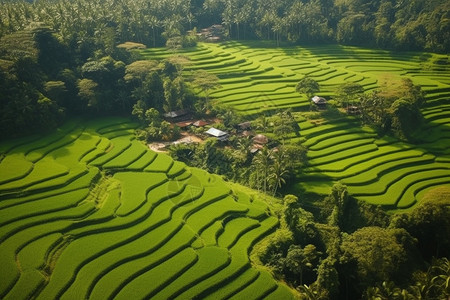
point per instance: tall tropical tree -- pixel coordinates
(307, 86)
(349, 92)
(262, 163)
(206, 82)
(279, 171)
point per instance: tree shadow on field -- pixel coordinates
(434, 137)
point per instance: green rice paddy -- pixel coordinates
(90, 213)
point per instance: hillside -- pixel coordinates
(88, 212)
(259, 79)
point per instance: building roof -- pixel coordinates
(245, 125)
(200, 123)
(260, 139)
(353, 109)
(176, 113)
(247, 133)
(216, 132)
(254, 150)
(319, 100)
(184, 124)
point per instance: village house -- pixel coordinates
(178, 115)
(319, 101)
(245, 125)
(353, 110)
(260, 139)
(200, 123)
(218, 134)
(214, 33)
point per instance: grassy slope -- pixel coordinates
(257, 77)
(155, 228)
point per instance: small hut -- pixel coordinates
(353, 110)
(215, 33)
(200, 123)
(319, 101)
(245, 125)
(178, 115)
(218, 134)
(184, 124)
(260, 139)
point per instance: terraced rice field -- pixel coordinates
(90, 213)
(257, 77)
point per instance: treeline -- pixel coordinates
(340, 248)
(393, 24)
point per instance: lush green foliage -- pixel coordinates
(99, 24)
(348, 249)
(267, 170)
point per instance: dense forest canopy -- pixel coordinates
(419, 25)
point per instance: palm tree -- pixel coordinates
(206, 82)
(308, 293)
(262, 122)
(262, 163)
(279, 171)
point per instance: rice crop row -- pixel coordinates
(128, 157)
(78, 235)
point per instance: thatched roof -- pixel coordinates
(260, 139)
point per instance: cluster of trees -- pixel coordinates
(158, 87)
(36, 82)
(392, 108)
(90, 25)
(340, 248)
(268, 169)
(42, 81)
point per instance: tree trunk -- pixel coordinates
(154, 37)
